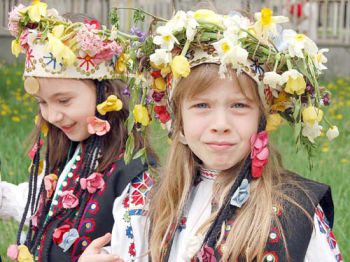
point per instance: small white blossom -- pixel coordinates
(161, 57)
(297, 43)
(332, 133)
(165, 39)
(273, 79)
(311, 131)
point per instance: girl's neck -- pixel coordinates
(208, 173)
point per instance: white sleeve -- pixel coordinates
(323, 245)
(13, 199)
(130, 230)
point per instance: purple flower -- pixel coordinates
(126, 91)
(139, 33)
(326, 99)
(310, 89)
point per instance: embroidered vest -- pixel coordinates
(297, 227)
(97, 218)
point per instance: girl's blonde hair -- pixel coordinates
(248, 236)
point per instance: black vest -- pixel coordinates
(97, 218)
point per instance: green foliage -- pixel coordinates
(139, 16)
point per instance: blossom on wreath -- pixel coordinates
(236, 25)
(297, 43)
(161, 57)
(15, 47)
(183, 20)
(320, 59)
(265, 24)
(273, 122)
(69, 200)
(205, 16)
(36, 10)
(112, 103)
(311, 115)
(165, 38)
(159, 84)
(93, 182)
(141, 115)
(259, 153)
(332, 133)
(273, 79)
(14, 17)
(311, 131)
(97, 126)
(162, 114)
(180, 66)
(295, 82)
(230, 53)
(59, 50)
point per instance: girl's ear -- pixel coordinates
(182, 138)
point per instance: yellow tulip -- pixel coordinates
(36, 10)
(273, 122)
(58, 31)
(312, 114)
(207, 16)
(15, 47)
(68, 56)
(180, 66)
(120, 66)
(159, 84)
(111, 104)
(296, 85)
(24, 255)
(55, 46)
(141, 115)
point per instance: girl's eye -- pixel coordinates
(41, 102)
(201, 105)
(64, 101)
(239, 105)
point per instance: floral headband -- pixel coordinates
(56, 47)
(285, 65)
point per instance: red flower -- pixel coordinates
(58, 234)
(132, 250)
(93, 22)
(69, 200)
(156, 74)
(162, 114)
(93, 182)
(259, 153)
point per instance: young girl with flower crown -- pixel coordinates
(224, 194)
(78, 165)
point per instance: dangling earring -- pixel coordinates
(182, 139)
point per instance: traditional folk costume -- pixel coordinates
(285, 68)
(68, 205)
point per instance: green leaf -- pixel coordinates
(130, 123)
(129, 149)
(141, 153)
(139, 16)
(297, 110)
(114, 18)
(297, 131)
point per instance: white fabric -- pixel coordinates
(198, 212)
(13, 198)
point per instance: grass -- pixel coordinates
(331, 164)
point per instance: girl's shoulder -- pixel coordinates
(308, 193)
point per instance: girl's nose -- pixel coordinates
(221, 123)
(54, 116)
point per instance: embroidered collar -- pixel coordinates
(208, 173)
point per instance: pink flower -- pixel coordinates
(36, 215)
(93, 182)
(108, 50)
(23, 39)
(14, 17)
(50, 182)
(259, 153)
(97, 126)
(95, 23)
(12, 252)
(206, 254)
(69, 200)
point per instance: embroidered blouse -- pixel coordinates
(129, 235)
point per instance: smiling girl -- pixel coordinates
(80, 134)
